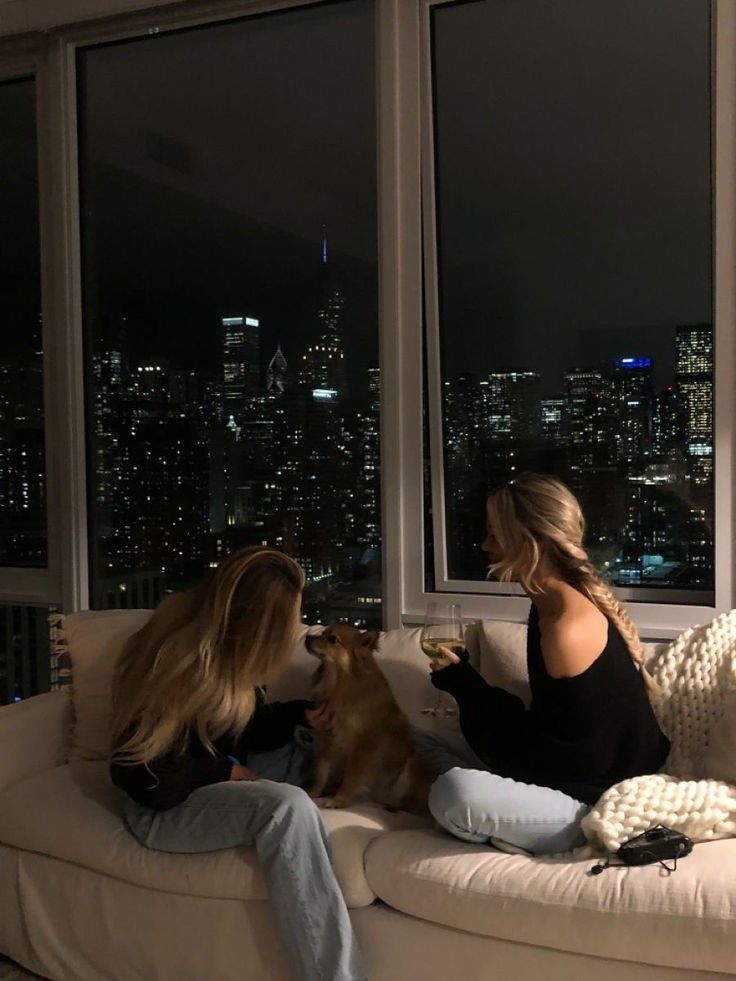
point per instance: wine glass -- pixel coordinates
(443, 627)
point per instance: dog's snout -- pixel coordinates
(310, 644)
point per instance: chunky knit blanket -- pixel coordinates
(696, 674)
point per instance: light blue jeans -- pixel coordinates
(479, 806)
(292, 846)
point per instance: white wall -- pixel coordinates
(19, 16)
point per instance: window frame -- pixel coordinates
(25, 60)
(403, 145)
(66, 582)
(657, 613)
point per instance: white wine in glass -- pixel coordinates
(432, 647)
(443, 627)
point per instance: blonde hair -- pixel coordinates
(195, 664)
(537, 515)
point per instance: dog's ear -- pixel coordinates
(370, 639)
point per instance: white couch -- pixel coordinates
(81, 900)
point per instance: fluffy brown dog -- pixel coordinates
(368, 753)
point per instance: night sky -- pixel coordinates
(574, 176)
(211, 160)
(20, 272)
(574, 164)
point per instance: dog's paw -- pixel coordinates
(319, 799)
(330, 803)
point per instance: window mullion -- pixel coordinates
(62, 325)
(724, 220)
(399, 204)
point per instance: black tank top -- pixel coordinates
(590, 731)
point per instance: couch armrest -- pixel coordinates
(34, 735)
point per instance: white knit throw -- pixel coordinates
(696, 674)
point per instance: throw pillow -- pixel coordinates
(95, 639)
(399, 656)
(719, 759)
(503, 656)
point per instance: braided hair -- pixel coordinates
(536, 515)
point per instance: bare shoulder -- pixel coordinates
(572, 640)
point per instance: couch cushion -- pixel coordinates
(502, 649)
(687, 919)
(95, 639)
(503, 656)
(400, 657)
(74, 812)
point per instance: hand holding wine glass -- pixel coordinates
(442, 641)
(448, 657)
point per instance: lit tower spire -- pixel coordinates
(324, 244)
(276, 376)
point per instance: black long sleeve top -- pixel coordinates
(580, 735)
(170, 779)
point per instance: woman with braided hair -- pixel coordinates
(526, 777)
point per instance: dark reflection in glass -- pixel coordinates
(573, 198)
(22, 459)
(230, 305)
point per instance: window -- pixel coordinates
(577, 303)
(571, 321)
(228, 201)
(22, 463)
(25, 652)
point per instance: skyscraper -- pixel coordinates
(552, 420)
(241, 367)
(511, 409)
(366, 459)
(634, 396)
(276, 376)
(320, 499)
(669, 432)
(323, 364)
(694, 378)
(22, 458)
(475, 412)
(587, 408)
(165, 505)
(107, 367)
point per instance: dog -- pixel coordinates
(368, 752)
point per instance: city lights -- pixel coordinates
(637, 458)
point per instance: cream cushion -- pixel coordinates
(719, 759)
(95, 640)
(503, 656)
(74, 813)
(399, 656)
(659, 919)
(502, 652)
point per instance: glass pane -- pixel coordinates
(230, 303)
(25, 652)
(22, 461)
(573, 198)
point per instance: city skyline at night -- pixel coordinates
(228, 229)
(640, 459)
(189, 466)
(264, 450)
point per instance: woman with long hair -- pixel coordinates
(207, 764)
(526, 777)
